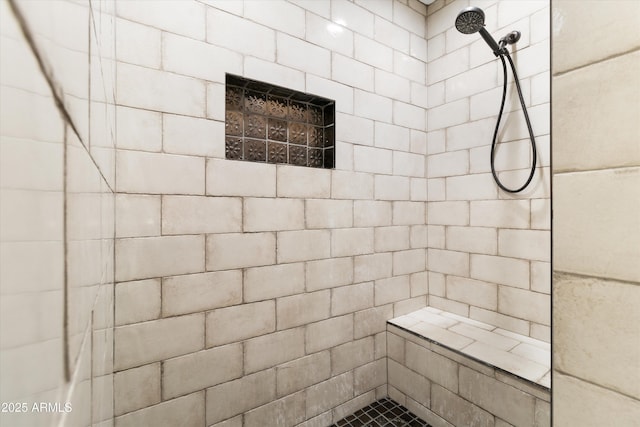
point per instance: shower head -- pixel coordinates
(471, 20)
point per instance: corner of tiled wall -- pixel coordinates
(248, 291)
(57, 204)
(596, 176)
(350, 243)
(488, 255)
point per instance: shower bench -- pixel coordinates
(455, 371)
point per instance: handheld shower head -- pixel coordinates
(471, 20)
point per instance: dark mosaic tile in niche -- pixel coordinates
(255, 150)
(233, 148)
(297, 133)
(255, 126)
(297, 155)
(277, 130)
(277, 152)
(266, 123)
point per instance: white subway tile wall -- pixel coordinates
(57, 214)
(287, 274)
(452, 387)
(485, 243)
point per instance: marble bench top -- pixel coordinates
(520, 355)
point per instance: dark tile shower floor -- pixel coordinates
(383, 413)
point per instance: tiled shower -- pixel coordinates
(211, 208)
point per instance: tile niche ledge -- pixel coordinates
(455, 371)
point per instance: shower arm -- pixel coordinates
(499, 48)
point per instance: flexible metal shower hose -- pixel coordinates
(504, 53)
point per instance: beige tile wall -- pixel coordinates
(489, 251)
(57, 213)
(596, 177)
(257, 294)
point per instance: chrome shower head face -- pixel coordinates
(470, 20)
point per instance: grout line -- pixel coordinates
(595, 384)
(560, 275)
(114, 212)
(596, 62)
(621, 169)
(65, 249)
(56, 92)
(91, 20)
(58, 97)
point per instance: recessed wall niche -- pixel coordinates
(271, 124)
